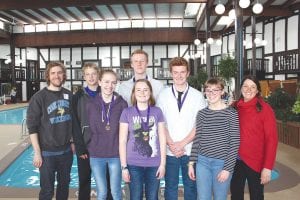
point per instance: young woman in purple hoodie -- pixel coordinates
(104, 113)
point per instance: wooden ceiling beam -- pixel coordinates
(201, 20)
(52, 20)
(126, 11)
(33, 4)
(84, 13)
(288, 3)
(72, 14)
(112, 12)
(64, 19)
(98, 12)
(17, 16)
(25, 12)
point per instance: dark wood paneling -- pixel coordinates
(107, 37)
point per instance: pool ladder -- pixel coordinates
(24, 131)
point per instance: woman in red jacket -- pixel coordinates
(258, 142)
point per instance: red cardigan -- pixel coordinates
(258, 134)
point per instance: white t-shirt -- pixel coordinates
(125, 88)
(180, 124)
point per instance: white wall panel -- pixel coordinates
(76, 57)
(269, 37)
(89, 53)
(292, 33)
(148, 49)
(54, 54)
(279, 35)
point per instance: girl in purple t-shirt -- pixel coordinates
(142, 143)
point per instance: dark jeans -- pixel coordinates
(172, 179)
(140, 177)
(59, 166)
(84, 174)
(242, 173)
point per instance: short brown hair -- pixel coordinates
(108, 71)
(50, 66)
(139, 51)
(151, 100)
(179, 61)
(214, 81)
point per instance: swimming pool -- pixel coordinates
(13, 116)
(22, 174)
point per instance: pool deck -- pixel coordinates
(287, 163)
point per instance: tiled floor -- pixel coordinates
(286, 187)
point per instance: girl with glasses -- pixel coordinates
(215, 145)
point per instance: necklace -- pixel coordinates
(144, 125)
(105, 115)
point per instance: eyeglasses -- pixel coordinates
(213, 91)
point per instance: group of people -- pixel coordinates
(142, 132)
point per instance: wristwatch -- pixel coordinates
(124, 168)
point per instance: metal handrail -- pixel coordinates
(24, 131)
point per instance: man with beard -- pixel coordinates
(49, 121)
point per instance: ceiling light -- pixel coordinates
(220, 9)
(210, 40)
(219, 42)
(7, 61)
(244, 3)
(257, 8)
(257, 41)
(197, 42)
(231, 14)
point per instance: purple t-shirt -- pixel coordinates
(143, 147)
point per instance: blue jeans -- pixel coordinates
(61, 166)
(140, 176)
(172, 179)
(98, 166)
(207, 170)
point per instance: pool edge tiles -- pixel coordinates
(9, 158)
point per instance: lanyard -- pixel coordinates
(145, 125)
(180, 103)
(108, 113)
(90, 92)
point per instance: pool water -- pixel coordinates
(22, 174)
(13, 116)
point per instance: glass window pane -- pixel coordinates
(88, 25)
(125, 24)
(100, 25)
(112, 24)
(29, 28)
(137, 24)
(64, 26)
(162, 23)
(40, 28)
(75, 26)
(150, 23)
(52, 27)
